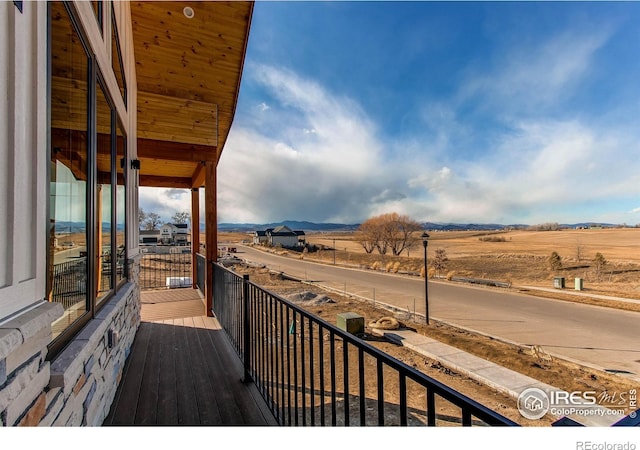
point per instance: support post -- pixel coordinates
(195, 235)
(211, 230)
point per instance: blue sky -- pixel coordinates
(502, 112)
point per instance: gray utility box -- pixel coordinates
(351, 322)
(579, 282)
(558, 282)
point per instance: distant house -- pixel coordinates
(181, 234)
(280, 236)
(172, 234)
(260, 237)
(166, 233)
(149, 237)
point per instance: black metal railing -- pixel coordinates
(157, 268)
(69, 282)
(312, 373)
(201, 272)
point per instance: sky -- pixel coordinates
(483, 112)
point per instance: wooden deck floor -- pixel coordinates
(182, 370)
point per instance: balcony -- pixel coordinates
(264, 361)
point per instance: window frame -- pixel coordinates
(95, 80)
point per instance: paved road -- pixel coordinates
(603, 337)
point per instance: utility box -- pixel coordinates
(351, 322)
(579, 282)
(558, 282)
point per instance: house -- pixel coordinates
(166, 233)
(149, 237)
(174, 234)
(181, 234)
(260, 237)
(282, 236)
(95, 106)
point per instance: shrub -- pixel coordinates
(555, 261)
(450, 275)
(492, 239)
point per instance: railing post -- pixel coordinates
(247, 331)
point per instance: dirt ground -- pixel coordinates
(558, 373)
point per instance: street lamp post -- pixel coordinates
(425, 239)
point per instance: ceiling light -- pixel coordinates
(188, 12)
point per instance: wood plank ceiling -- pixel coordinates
(188, 74)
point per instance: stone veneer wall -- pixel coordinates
(78, 387)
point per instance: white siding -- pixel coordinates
(23, 122)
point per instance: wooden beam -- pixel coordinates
(166, 182)
(176, 151)
(211, 230)
(197, 179)
(195, 235)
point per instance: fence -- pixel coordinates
(201, 272)
(156, 268)
(312, 373)
(69, 282)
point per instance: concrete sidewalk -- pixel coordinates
(488, 373)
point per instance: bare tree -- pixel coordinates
(181, 217)
(369, 234)
(152, 221)
(598, 264)
(399, 232)
(142, 217)
(579, 249)
(386, 232)
(440, 260)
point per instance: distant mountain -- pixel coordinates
(431, 226)
(293, 224)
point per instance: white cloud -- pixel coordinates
(323, 162)
(164, 202)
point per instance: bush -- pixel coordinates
(492, 239)
(555, 261)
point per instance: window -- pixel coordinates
(121, 205)
(87, 189)
(104, 203)
(68, 268)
